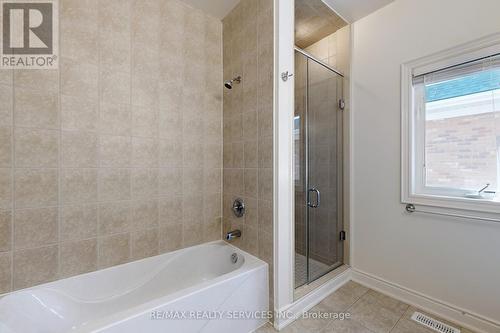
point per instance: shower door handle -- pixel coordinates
(318, 198)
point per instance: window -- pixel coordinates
(451, 129)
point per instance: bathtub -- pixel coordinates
(213, 287)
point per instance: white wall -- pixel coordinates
(452, 260)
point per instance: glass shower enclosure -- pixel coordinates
(317, 168)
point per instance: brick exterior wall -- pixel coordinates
(462, 151)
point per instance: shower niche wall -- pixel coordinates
(321, 67)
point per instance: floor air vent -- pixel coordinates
(433, 324)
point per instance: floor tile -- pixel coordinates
(371, 312)
(407, 326)
(308, 325)
(344, 297)
(346, 326)
(378, 312)
(267, 328)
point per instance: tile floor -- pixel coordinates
(371, 312)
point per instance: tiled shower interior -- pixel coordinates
(325, 152)
(248, 126)
(118, 154)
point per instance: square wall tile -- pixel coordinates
(5, 188)
(170, 153)
(37, 79)
(115, 87)
(5, 230)
(170, 211)
(266, 184)
(36, 187)
(34, 108)
(6, 105)
(192, 154)
(114, 184)
(144, 243)
(78, 222)
(5, 272)
(170, 238)
(114, 218)
(192, 216)
(144, 152)
(79, 149)
(78, 43)
(170, 181)
(145, 120)
(251, 182)
(144, 214)
(145, 89)
(35, 227)
(35, 266)
(192, 234)
(78, 186)
(115, 151)
(36, 148)
(212, 180)
(5, 146)
(78, 113)
(144, 183)
(78, 257)
(79, 79)
(114, 250)
(192, 181)
(115, 119)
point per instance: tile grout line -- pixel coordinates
(352, 306)
(13, 181)
(221, 134)
(59, 155)
(99, 136)
(130, 136)
(396, 324)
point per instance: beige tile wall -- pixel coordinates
(103, 160)
(248, 125)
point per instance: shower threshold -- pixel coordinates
(307, 288)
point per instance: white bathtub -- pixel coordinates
(174, 292)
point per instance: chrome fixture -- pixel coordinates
(410, 208)
(318, 198)
(234, 258)
(233, 235)
(229, 83)
(238, 207)
(285, 76)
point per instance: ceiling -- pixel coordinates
(353, 10)
(349, 10)
(314, 21)
(216, 8)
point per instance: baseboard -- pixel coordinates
(446, 311)
(311, 299)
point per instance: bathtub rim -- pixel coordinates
(247, 268)
(250, 265)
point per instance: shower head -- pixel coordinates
(229, 83)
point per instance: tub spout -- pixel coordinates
(232, 235)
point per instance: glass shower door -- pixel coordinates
(318, 168)
(324, 190)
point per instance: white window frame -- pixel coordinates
(413, 130)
